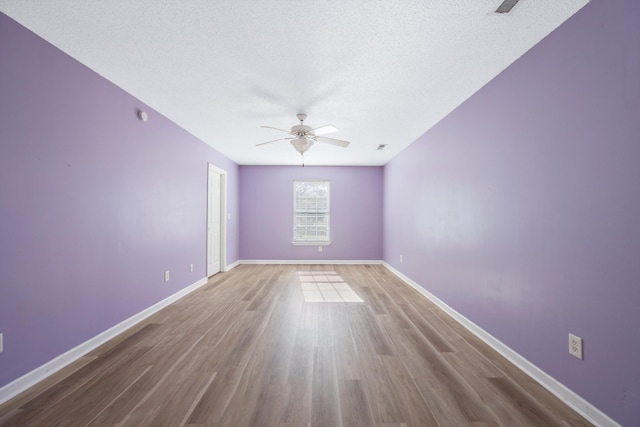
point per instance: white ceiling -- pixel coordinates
(383, 72)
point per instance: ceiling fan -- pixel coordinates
(303, 136)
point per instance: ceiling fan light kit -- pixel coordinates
(302, 144)
(303, 136)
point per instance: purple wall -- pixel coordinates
(521, 209)
(266, 213)
(94, 204)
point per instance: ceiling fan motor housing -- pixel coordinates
(302, 130)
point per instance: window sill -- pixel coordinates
(311, 243)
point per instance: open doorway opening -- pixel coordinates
(216, 220)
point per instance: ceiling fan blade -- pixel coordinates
(332, 141)
(323, 130)
(269, 142)
(270, 127)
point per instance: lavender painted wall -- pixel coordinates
(266, 213)
(94, 204)
(521, 209)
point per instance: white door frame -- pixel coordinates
(223, 217)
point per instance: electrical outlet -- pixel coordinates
(319, 248)
(1, 346)
(575, 346)
(166, 276)
(191, 268)
(400, 258)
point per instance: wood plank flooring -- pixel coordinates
(247, 350)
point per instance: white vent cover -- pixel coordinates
(506, 6)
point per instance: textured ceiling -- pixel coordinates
(383, 72)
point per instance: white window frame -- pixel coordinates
(299, 212)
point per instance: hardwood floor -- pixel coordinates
(247, 350)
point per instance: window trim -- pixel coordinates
(309, 242)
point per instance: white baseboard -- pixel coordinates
(308, 261)
(232, 265)
(584, 408)
(24, 382)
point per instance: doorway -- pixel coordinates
(216, 220)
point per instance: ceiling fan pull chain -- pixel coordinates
(302, 155)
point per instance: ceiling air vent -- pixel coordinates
(506, 6)
(381, 146)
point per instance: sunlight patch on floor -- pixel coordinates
(326, 286)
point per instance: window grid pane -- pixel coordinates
(311, 211)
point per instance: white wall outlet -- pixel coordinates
(228, 215)
(400, 258)
(1, 346)
(191, 268)
(575, 346)
(166, 276)
(319, 248)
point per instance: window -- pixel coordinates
(311, 212)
